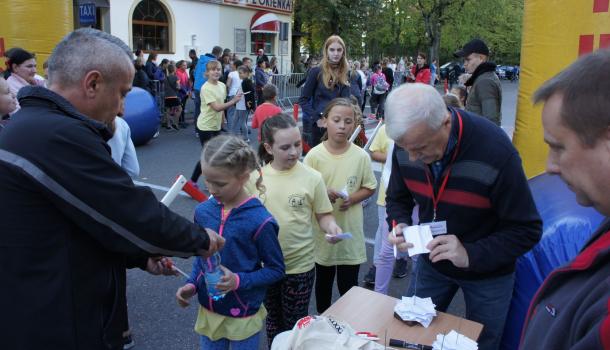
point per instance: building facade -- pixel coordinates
(172, 27)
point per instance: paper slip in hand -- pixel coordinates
(454, 341)
(419, 236)
(421, 310)
(339, 237)
(343, 193)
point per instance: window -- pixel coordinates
(263, 41)
(150, 27)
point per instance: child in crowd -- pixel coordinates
(294, 193)
(383, 255)
(461, 92)
(233, 87)
(452, 100)
(8, 102)
(239, 125)
(251, 258)
(267, 109)
(346, 170)
(213, 95)
(260, 80)
(173, 107)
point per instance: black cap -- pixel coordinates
(473, 46)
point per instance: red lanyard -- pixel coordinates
(436, 198)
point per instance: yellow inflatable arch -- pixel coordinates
(35, 25)
(555, 33)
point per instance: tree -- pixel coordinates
(435, 14)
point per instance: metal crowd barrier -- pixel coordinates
(158, 90)
(288, 91)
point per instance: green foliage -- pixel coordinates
(377, 28)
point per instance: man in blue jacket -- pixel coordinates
(571, 309)
(467, 178)
(71, 220)
(200, 78)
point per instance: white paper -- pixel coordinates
(454, 341)
(416, 309)
(419, 236)
(343, 193)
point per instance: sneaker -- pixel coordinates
(369, 278)
(175, 127)
(401, 268)
(128, 342)
(372, 116)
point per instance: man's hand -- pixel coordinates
(228, 281)
(448, 247)
(184, 293)
(159, 266)
(216, 244)
(399, 241)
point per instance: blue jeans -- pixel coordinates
(224, 343)
(487, 300)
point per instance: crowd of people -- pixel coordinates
(73, 221)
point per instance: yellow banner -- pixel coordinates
(555, 33)
(35, 25)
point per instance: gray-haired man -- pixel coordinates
(71, 220)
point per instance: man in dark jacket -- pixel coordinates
(467, 178)
(485, 95)
(71, 220)
(571, 310)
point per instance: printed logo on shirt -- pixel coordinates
(351, 182)
(296, 201)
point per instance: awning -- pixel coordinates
(264, 22)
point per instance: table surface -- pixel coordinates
(368, 311)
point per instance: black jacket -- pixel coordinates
(71, 221)
(247, 86)
(487, 202)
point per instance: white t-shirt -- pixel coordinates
(235, 83)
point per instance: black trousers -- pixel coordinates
(347, 277)
(204, 136)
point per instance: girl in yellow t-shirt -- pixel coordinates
(346, 170)
(294, 194)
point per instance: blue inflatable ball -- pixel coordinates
(142, 115)
(566, 227)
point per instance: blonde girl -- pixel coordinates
(324, 83)
(251, 258)
(346, 170)
(294, 194)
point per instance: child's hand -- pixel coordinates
(237, 97)
(228, 281)
(184, 293)
(333, 195)
(347, 202)
(334, 229)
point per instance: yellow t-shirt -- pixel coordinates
(380, 144)
(294, 197)
(209, 119)
(351, 170)
(216, 326)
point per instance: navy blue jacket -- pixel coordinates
(315, 96)
(487, 202)
(251, 250)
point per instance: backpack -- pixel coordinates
(381, 86)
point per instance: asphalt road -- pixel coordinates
(156, 320)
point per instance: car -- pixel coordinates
(451, 71)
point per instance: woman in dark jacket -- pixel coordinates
(323, 84)
(140, 79)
